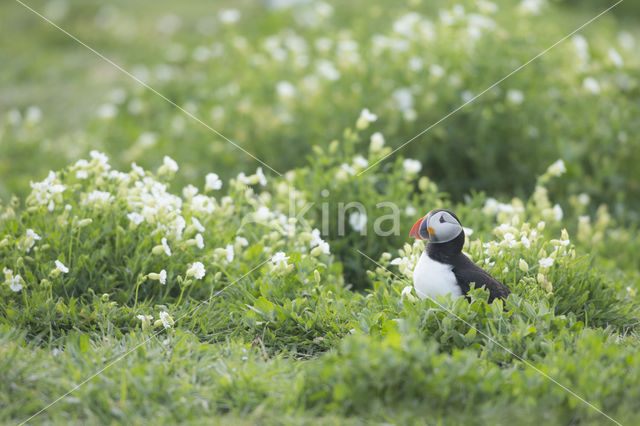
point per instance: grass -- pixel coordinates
(253, 302)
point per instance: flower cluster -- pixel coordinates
(47, 192)
(15, 282)
(164, 320)
(409, 256)
(187, 241)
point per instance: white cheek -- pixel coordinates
(446, 232)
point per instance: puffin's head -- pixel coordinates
(438, 226)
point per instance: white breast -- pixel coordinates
(431, 278)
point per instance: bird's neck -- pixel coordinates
(446, 252)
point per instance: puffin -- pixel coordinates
(442, 267)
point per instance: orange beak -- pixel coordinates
(415, 230)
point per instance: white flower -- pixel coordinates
(403, 98)
(136, 218)
(584, 199)
(347, 168)
(557, 212)
(162, 276)
(147, 139)
(230, 253)
(406, 292)
(242, 241)
(168, 24)
(165, 247)
(29, 240)
(525, 241)
(592, 85)
(626, 40)
(263, 214)
(120, 176)
(199, 241)
(60, 267)
(436, 70)
(317, 241)
(557, 169)
(582, 47)
(324, 247)
(360, 162)
(137, 169)
(522, 264)
(415, 63)
(515, 96)
(358, 221)
(366, 118)
(546, 262)
(33, 115)
(189, 191)
(377, 142)
(368, 115)
(280, 259)
(410, 211)
(327, 70)
(467, 231)
(405, 24)
(411, 166)
(196, 270)
(213, 182)
(243, 179)
(16, 283)
(406, 265)
(203, 204)
(615, 57)
(146, 320)
(98, 198)
(285, 90)
(509, 238)
(229, 16)
(176, 226)
(315, 237)
(82, 174)
(487, 6)
(167, 321)
(196, 224)
(170, 164)
(532, 7)
(261, 177)
(492, 206)
(46, 192)
(107, 111)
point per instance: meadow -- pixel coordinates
(195, 211)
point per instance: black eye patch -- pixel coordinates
(442, 219)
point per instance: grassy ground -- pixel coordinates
(197, 303)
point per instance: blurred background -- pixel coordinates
(279, 76)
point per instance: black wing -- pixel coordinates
(467, 272)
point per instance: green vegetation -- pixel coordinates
(160, 292)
